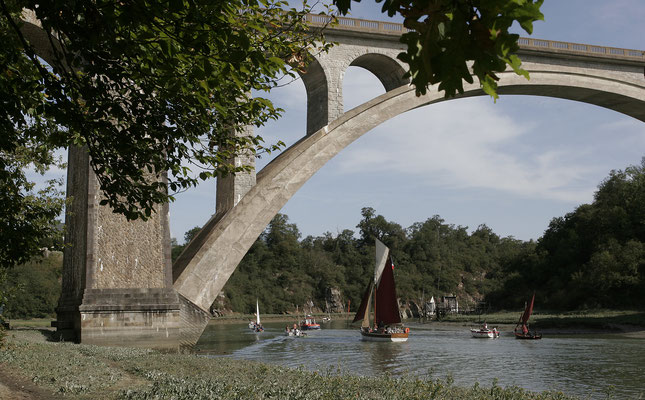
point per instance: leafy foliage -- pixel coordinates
(35, 287)
(593, 256)
(27, 218)
(146, 85)
(431, 258)
(450, 40)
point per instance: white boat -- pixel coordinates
(295, 333)
(257, 325)
(485, 332)
(383, 291)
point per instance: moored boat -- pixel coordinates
(309, 323)
(485, 332)
(380, 296)
(521, 330)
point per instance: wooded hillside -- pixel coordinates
(593, 257)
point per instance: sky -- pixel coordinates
(512, 165)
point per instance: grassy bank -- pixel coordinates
(89, 372)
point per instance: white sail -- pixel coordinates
(257, 312)
(381, 257)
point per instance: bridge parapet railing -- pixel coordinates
(578, 48)
(396, 29)
(355, 24)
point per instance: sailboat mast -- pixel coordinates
(375, 321)
(257, 311)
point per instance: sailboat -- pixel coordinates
(257, 325)
(380, 300)
(522, 328)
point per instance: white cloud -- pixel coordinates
(469, 143)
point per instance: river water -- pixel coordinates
(585, 365)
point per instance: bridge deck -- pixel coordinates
(395, 30)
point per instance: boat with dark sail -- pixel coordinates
(522, 330)
(380, 301)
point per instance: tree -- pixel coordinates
(27, 217)
(144, 87)
(176, 249)
(593, 256)
(445, 35)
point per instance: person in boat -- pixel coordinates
(381, 326)
(525, 329)
(485, 325)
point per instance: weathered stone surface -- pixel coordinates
(334, 300)
(414, 309)
(157, 318)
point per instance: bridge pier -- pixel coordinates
(117, 274)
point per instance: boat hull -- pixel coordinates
(485, 334)
(309, 327)
(384, 337)
(527, 336)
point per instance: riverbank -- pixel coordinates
(33, 368)
(631, 323)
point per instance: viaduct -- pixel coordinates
(119, 286)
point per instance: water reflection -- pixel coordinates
(385, 357)
(584, 365)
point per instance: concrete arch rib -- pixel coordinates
(219, 250)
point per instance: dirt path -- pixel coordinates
(16, 387)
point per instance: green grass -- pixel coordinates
(89, 372)
(31, 323)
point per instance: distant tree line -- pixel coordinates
(593, 257)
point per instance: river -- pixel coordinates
(585, 365)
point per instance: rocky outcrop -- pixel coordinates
(334, 300)
(221, 306)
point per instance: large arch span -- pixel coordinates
(210, 259)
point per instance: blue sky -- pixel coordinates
(512, 165)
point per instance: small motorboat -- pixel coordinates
(309, 323)
(485, 332)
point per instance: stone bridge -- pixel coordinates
(119, 286)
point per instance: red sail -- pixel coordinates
(528, 311)
(387, 307)
(360, 314)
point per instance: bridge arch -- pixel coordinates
(316, 82)
(389, 71)
(223, 242)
